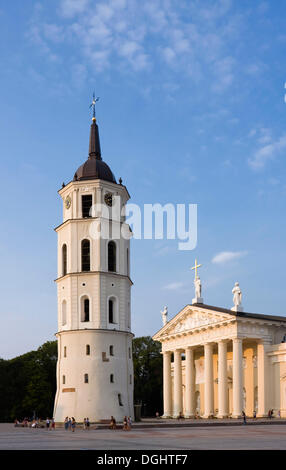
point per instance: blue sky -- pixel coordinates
(191, 110)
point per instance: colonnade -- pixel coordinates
(173, 401)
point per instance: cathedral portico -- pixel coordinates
(222, 363)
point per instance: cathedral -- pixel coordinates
(220, 362)
(217, 362)
(95, 368)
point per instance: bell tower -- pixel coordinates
(95, 368)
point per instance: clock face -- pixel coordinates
(68, 202)
(108, 199)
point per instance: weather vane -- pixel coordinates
(94, 100)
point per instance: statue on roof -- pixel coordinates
(198, 287)
(164, 314)
(237, 298)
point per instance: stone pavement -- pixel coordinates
(231, 437)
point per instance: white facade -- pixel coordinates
(224, 363)
(95, 368)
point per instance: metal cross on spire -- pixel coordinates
(94, 100)
(196, 269)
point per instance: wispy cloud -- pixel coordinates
(226, 256)
(174, 286)
(111, 33)
(70, 8)
(267, 152)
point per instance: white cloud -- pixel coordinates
(133, 36)
(53, 32)
(174, 286)
(265, 136)
(70, 8)
(169, 55)
(267, 152)
(226, 256)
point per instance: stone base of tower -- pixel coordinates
(69, 408)
(97, 385)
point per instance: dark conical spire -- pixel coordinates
(94, 143)
(94, 167)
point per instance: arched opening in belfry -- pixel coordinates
(111, 256)
(85, 255)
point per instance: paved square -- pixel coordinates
(270, 437)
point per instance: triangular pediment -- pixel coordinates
(191, 318)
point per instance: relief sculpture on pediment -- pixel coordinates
(196, 320)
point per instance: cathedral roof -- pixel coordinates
(219, 310)
(94, 167)
(258, 316)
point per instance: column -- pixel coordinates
(249, 381)
(209, 381)
(190, 383)
(167, 384)
(237, 377)
(262, 366)
(178, 398)
(75, 214)
(222, 380)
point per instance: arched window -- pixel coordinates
(111, 256)
(65, 351)
(85, 255)
(64, 379)
(111, 311)
(64, 312)
(85, 312)
(86, 203)
(86, 378)
(111, 351)
(88, 350)
(64, 260)
(111, 378)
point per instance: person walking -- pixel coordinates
(47, 423)
(87, 424)
(244, 417)
(129, 423)
(53, 424)
(73, 424)
(66, 423)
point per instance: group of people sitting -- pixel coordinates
(127, 423)
(35, 423)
